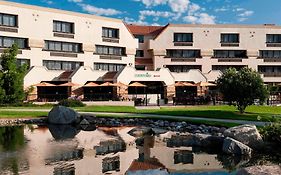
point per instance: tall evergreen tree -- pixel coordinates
(11, 77)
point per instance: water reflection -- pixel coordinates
(61, 150)
(61, 132)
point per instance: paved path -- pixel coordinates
(257, 123)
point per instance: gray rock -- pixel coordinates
(260, 170)
(231, 146)
(62, 115)
(84, 122)
(246, 134)
(141, 131)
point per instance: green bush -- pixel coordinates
(272, 133)
(71, 103)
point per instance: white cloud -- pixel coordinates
(193, 8)
(246, 13)
(76, 1)
(96, 10)
(48, 2)
(178, 6)
(163, 14)
(99, 11)
(201, 18)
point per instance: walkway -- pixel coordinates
(257, 123)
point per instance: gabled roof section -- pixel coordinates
(145, 30)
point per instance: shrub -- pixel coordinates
(71, 103)
(272, 133)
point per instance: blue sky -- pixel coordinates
(161, 12)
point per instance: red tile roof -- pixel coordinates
(145, 30)
(147, 165)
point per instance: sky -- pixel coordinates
(161, 12)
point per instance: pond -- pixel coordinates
(64, 150)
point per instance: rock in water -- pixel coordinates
(231, 146)
(260, 170)
(62, 115)
(246, 134)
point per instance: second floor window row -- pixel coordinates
(6, 42)
(230, 54)
(270, 53)
(63, 46)
(110, 50)
(179, 53)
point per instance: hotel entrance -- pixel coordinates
(148, 92)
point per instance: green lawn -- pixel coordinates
(221, 112)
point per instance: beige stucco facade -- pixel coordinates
(206, 38)
(36, 24)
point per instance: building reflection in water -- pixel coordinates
(183, 156)
(111, 164)
(110, 146)
(145, 163)
(64, 169)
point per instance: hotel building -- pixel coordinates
(61, 46)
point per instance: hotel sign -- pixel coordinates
(147, 75)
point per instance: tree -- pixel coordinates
(11, 77)
(241, 88)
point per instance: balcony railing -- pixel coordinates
(271, 74)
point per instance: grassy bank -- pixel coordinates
(265, 113)
(252, 113)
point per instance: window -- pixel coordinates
(140, 53)
(62, 65)
(273, 38)
(63, 27)
(178, 53)
(229, 38)
(8, 20)
(110, 32)
(140, 67)
(108, 66)
(183, 68)
(230, 53)
(269, 69)
(270, 53)
(110, 50)
(140, 37)
(9, 41)
(21, 62)
(183, 37)
(63, 46)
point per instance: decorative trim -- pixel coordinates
(60, 54)
(183, 59)
(271, 74)
(273, 44)
(3, 49)
(8, 29)
(229, 44)
(183, 43)
(271, 59)
(110, 57)
(230, 59)
(111, 40)
(63, 35)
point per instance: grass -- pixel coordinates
(22, 114)
(220, 112)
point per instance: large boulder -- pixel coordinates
(246, 134)
(260, 170)
(231, 146)
(62, 115)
